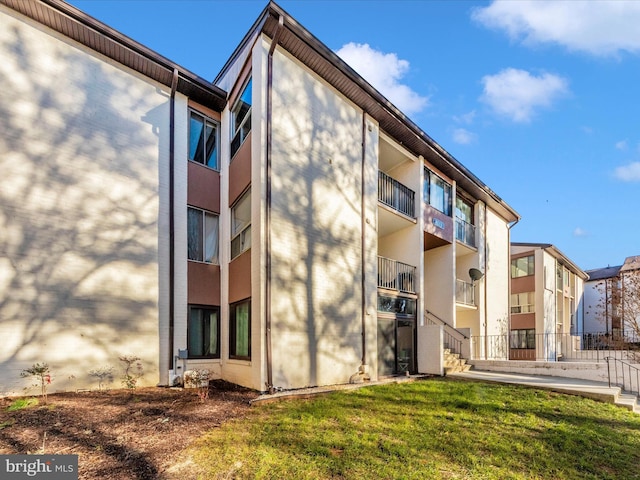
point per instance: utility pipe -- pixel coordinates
(172, 147)
(269, 106)
(362, 242)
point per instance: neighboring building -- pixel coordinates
(283, 227)
(612, 301)
(546, 302)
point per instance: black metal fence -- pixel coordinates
(396, 195)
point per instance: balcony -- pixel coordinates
(396, 195)
(465, 293)
(398, 276)
(466, 232)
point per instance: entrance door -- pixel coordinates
(396, 340)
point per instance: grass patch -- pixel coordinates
(436, 429)
(21, 403)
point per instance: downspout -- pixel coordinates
(172, 147)
(509, 227)
(269, 106)
(363, 253)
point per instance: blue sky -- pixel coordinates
(538, 99)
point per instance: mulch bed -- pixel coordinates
(119, 434)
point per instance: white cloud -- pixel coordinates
(517, 94)
(622, 145)
(595, 27)
(466, 118)
(580, 232)
(384, 71)
(628, 173)
(463, 136)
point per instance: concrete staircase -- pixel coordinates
(453, 363)
(628, 401)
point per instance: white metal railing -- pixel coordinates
(453, 339)
(396, 195)
(465, 232)
(553, 347)
(465, 293)
(394, 275)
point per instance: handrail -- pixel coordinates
(442, 322)
(449, 341)
(631, 369)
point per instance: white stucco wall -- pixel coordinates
(593, 307)
(497, 274)
(83, 148)
(316, 229)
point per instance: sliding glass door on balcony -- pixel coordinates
(465, 229)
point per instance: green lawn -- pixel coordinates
(431, 429)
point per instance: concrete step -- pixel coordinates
(456, 369)
(628, 401)
(452, 363)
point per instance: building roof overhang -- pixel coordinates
(557, 253)
(86, 30)
(314, 54)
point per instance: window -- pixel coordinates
(203, 332)
(465, 230)
(240, 330)
(203, 140)
(522, 267)
(523, 339)
(522, 302)
(241, 225)
(464, 210)
(398, 305)
(241, 119)
(202, 241)
(437, 192)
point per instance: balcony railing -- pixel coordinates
(398, 276)
(465, 293)
(465, 232)
(396, 195)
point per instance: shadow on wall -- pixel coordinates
(316, 232)
(79, 218)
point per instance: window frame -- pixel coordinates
(531, 266)
(447, 192)
(461, 216)
(205, 121)
(204, 309)
(517, 338)
(241, 235)
(203, 231)
(246, 119)
(233, 330)
(517, 306)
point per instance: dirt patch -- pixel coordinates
(118, 434)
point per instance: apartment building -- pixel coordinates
(546, 302)
(283, 226)
(612, 301)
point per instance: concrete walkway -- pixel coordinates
(584, 388)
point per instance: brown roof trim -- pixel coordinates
(86, 30)
(308, 49)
